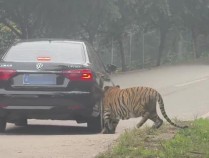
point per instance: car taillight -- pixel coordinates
(78, 75)
(6, 74)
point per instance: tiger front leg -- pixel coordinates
(106, 129)
(106, 118)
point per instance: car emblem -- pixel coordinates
(39, 66)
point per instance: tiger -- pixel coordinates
(132, 103)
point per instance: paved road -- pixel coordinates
(185, 93)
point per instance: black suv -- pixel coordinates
(52, 79)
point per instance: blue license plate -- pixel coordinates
(39, 79)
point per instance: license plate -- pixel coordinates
(39, 79)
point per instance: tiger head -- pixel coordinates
(108, 92)
(109, 128)
(108, 88)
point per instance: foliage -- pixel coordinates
(6, 38)
(166, 142)
(169, 28)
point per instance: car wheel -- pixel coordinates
(23, 122)
(95, 124)
(2, 125)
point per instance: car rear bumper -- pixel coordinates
(46, 104)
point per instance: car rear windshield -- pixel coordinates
(51, 51)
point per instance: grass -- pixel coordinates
(166, 142)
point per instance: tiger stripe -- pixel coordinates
(132, 102)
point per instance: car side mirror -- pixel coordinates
(111, 68)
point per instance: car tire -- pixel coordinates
(2, 125)
(23, 122)
(95, 124)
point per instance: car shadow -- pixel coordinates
(48, 130)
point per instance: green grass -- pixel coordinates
(166, 142)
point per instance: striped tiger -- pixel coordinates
(131, 103)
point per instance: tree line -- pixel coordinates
(136, 31)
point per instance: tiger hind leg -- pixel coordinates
(157, 121)
(143, 120)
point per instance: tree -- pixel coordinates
(117, 25)
(6, 38)
(194, 16)
(156, 15)
(21, 17)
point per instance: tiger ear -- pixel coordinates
(106, 88)
(117, 86)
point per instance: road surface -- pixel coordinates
(185, 92)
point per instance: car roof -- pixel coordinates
(48, 39)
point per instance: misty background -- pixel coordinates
(131, 34)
